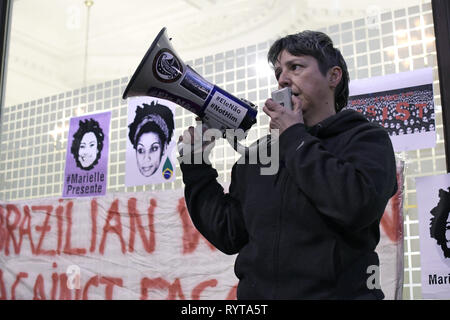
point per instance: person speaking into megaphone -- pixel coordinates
(309, 231)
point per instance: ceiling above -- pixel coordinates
(59, 45)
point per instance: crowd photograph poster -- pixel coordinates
(86, 170)
(150, 142)
(402, 103)
(433, 198)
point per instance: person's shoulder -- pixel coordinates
(358, 119)
(355, 122)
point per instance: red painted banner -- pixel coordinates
(130, 246)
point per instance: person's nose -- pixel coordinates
(284, 80)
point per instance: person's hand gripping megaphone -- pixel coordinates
(196, 141)
(201, 139)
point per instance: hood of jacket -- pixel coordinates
(337, 123)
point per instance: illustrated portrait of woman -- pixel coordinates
(150, 134)
(87, 144)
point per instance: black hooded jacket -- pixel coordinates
(310, 230)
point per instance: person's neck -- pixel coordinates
(319, 117)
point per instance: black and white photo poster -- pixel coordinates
(150, 158)
(433, 198)
(402, 103)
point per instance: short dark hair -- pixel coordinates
(318, 45)
(89, 125)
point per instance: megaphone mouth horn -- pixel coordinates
(143, 62)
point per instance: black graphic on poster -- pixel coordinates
(440, 223)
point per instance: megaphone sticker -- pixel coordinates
(166, 66)
(225, 109)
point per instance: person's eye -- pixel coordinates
(140, 150)
(92, 145)
(154, 148)
(296, 67)
(277, 73)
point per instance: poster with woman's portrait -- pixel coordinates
(150, 155)
(433, 198)
(86, 171)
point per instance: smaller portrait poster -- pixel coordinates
(433, 198)
(402, 103)
(150, 155)
(86, 171)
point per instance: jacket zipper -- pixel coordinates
(276, 253)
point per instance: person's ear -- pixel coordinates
(334, 76)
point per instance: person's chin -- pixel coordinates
(85, 164)
(147, 171)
